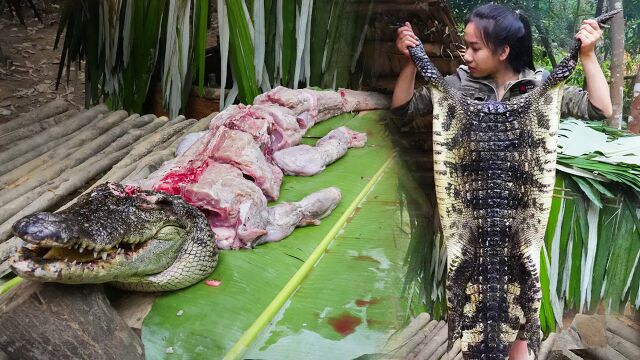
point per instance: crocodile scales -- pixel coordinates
(494, 169)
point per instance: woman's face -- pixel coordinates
(480, 59)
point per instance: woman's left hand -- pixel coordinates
(589, 34)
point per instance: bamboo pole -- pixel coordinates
(621, 329)
(55, 132)
(397, 339)
(24, 132)
(411, 343)
(432, 343)
(121, 143)
(83, 136)
(76, 178)
(48, 146)
(77, 157)
(48, 110)
(624, 347)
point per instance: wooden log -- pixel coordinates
(60, 130)
(29, 183)
(6, 140)
(76, 178)
(46, 321)
(433, 344)
(621, 329)
(123, 142)
(46, 111)
(83, 136)
(624, 347)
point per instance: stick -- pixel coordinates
(7, 139)
(78, 138)
(48, 110)
(77, 157)
(55, 132)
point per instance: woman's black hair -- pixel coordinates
(500, 26)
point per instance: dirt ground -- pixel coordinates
(28, 72)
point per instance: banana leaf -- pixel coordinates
(214, 319)
(347, 305)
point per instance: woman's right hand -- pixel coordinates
(406, 38)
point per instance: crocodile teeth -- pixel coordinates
(74, 262)
(104, 255)
(95, 253)
(81, 249)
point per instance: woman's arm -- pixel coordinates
(403, 90)
(597, 85)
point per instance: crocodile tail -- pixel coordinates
(564, 69)
(427, 69)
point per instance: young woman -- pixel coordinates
(499, 58)
(499, 66)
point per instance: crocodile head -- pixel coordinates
(138, 239)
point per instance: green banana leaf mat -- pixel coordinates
(331, 291)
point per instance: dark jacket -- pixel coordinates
(575, 102)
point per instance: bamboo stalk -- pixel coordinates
(435, 340)
(85, 135)
(21, 160)
(438, 354)
(408, 332)
(46, 111)
(412, 343)
(78, 156)
(7, 139)
(455, 350)
(624, 347)
(75, 178)
(619, 328)
(55, 132)
(547, 345)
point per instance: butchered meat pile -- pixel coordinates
(231, 171)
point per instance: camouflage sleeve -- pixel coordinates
(575, 103)
(420, 104)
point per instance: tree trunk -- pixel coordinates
(617, 64)
(634, 116)
(599, 7)
(54, 321)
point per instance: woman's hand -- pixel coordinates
(589, 34)
(406, 38)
